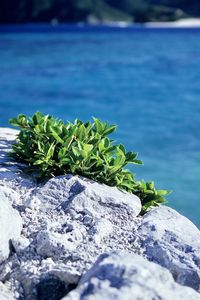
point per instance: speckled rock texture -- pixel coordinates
(67, 223)
(57, 230)
(119, 276)
(5, 293)
(10, 222)
(173, 242)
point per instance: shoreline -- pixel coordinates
(190, 23)
(182, 23)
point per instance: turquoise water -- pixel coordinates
(145, 80)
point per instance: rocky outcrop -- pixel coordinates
(84, 196)
(128, 276)
(10, 223)
(69, 221)
(172, 241)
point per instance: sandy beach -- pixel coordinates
(183, 23)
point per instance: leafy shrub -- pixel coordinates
(49, 148)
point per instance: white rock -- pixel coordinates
(10, 224)
(10, 194)
(5, 293)
(8, 134)
(102, 229)
(11, 174)
(172, 241)
(53, 243)
(70, 220)
(7, 137)
(32, 202)
(20, 244)
(65, 274)
(84, 195)
(120, 276)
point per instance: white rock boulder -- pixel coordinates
(11, 174)
(120, 276)
(88, 196)
(172, 241)
(10, 223)
(5, 293)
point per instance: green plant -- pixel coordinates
(49, 148)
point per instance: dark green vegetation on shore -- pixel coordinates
(49, 148)
(89, 11)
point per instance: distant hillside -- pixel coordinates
(96, 11)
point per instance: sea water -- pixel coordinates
(147, 81)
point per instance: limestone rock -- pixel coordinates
(20, 244)
(8, 134)
(67, 223)
(84, 195)
(172, 241)
(10, 223)
(82, 218)
(5, 293)
(69, 220)
(11, 172)
(50, 244)
(119, 276)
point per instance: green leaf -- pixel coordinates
(62, 153)
(37, 117)
(121, 147)
(163, 192)
(81, 132)
(50, 151)
(65, 161)
(98, 125)
(87, 148)
(56, 136)
(110, 129)
(13, 122)
(76, 151)
(136, 161)
(38, 162)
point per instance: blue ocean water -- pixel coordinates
(145, 80)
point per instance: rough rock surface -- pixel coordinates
(10, 223)
(86, 196)
(120, 276)
(69, 221)
(172, 241)
(5, 293)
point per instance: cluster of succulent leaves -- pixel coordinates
(49, 147)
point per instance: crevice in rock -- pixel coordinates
(50, 287)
